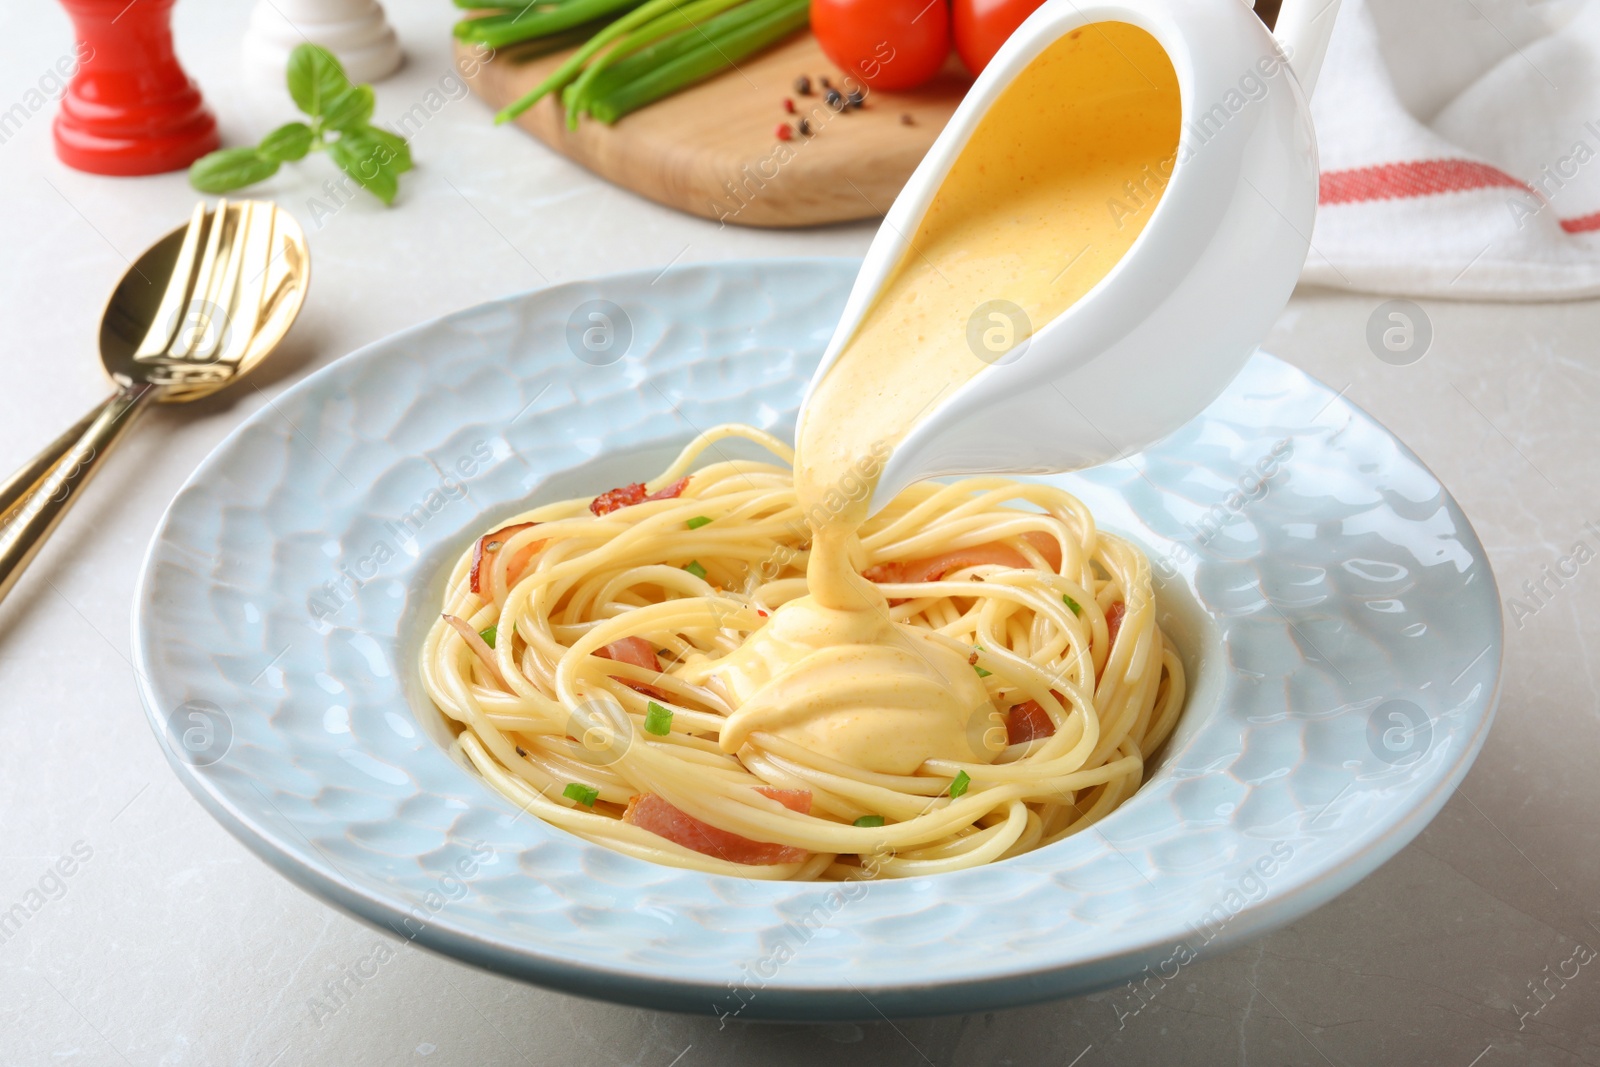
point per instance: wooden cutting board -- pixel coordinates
(712, 150)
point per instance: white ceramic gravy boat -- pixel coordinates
(1165, 331)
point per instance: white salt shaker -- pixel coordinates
(356, 31)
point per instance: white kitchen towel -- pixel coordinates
(1460, 149)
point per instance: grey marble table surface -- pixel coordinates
(171, 944)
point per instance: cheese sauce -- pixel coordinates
(1055, 184)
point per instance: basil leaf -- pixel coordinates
(315, 77)
(391, 150)
(349, 108)
(287, 143)
(370, 163)
(229, 169)
(394, 141)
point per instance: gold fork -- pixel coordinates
(175, 298)
(215, 320)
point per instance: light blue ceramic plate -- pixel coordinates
(1338, 616)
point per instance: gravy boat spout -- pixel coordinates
(1165, 328)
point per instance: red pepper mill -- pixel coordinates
(130, 108)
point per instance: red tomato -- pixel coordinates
(889, 44)
(982, 26)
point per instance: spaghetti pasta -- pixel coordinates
(635, 669)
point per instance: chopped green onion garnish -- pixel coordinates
(981, 672)
(697, 522)
(694, 568)
(1073, 604)
(657, 720)
(583, 794)
(870, 820)
(959, 786)
(488, 636)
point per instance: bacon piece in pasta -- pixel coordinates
(1028, 722)
(634, 493)
(994, 553)
(637, 651)
(488, 548)
(650, 812)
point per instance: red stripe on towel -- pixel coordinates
(1586, 224)
(1399, 181)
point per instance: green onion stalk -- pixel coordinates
(513, 25)
(650, 11)
(636, 82)
(632, 52)
(680, 19)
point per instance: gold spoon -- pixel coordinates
(237, 280)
